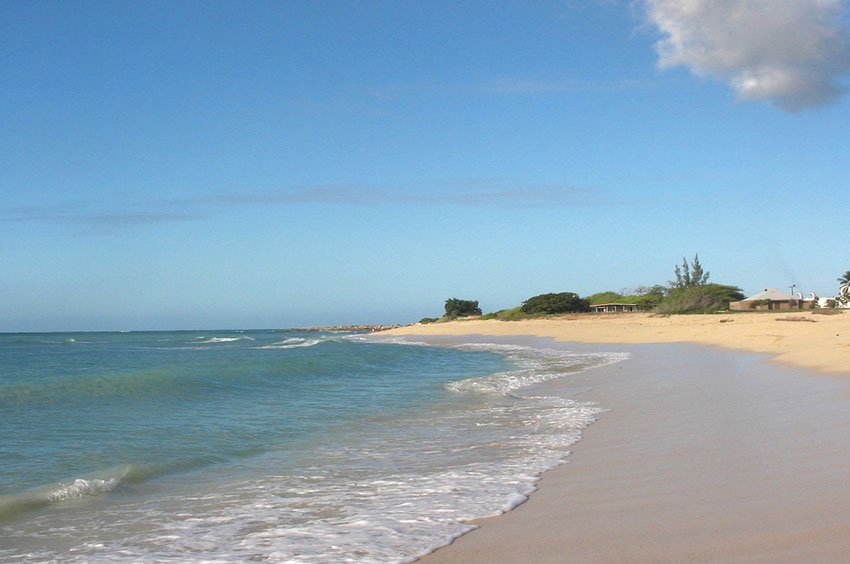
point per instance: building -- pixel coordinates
(772, 299)
(614, 308)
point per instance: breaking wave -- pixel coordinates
(293, 343)
(224, 340)
(78, 488)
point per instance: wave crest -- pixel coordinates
(78, 488)
(293, 342)
(225, 340)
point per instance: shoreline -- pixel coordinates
(801, 339)
(704, 453)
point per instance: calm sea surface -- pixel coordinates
(267, 445)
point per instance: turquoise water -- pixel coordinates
(276, 445)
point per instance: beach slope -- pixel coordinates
(704, 454)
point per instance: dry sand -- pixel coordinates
(704, 454)
(820, 342)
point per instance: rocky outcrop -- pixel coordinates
(349, 328)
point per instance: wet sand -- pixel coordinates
(704, 455)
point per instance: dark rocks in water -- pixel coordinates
(348, 328)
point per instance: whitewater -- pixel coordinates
(270, 445)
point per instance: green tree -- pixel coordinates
(562, 302)
(605, 297)
(648, 297)
(844, 278)
(461, 308)
(689, 275)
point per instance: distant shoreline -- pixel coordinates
(816, 342)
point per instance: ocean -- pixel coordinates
(277, 445)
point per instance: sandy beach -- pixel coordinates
(732, 452)
(804, 339)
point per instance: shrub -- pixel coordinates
(461, 308)
(506, 314)
(605, 298)
(645, 297)
(563, 302)
(705, 298)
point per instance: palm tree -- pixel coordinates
(844, 290)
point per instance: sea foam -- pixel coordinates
(292, 343)
(393, 495)
(225, 340)
(402, 478)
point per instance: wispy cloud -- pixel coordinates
(469, 192)
(93, 218)
(81, 214)
(792, 53)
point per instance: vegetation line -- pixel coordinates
(689, 292)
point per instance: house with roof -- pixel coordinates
(770, 299)
(614, 308)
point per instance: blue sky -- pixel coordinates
(209, 164)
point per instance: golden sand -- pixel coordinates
(804, 339)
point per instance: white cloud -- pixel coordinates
(792, 53)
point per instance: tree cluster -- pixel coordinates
(689, 275)
(704, 298)
(461, 308)
(647, 297)
(690, 292)
(562, 302)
